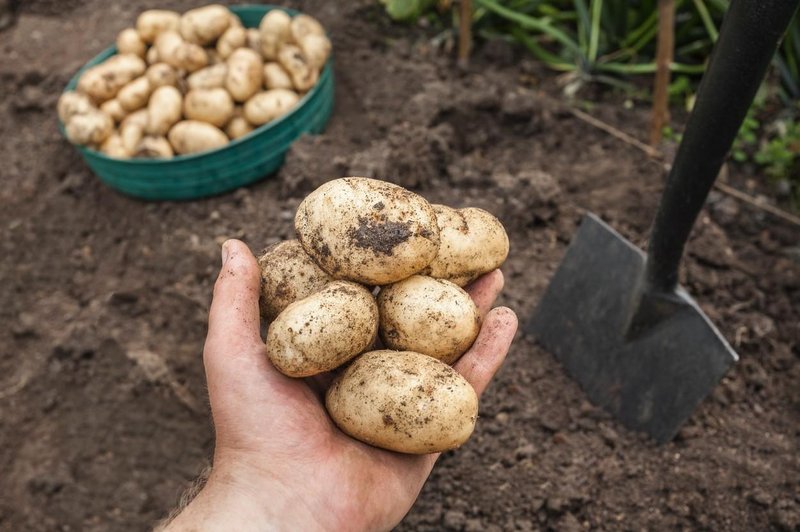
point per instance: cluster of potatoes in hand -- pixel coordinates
(357, 237)
(188, 83)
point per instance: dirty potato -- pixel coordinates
(129, 42)
(153, 22)
(304, 25)
(151, 147)
(269, 105)
(430, 316)
(233, 38)
(73, 103)
(102, 82)
(245, 73)
(324, 330)
(114, 109)
(288, 274)
(403, 401)
(163, 110)
(316, 49)
(211, 77)
(161, 74)
(89, 128)
(193, 136)
(274, 30)
(204, 25)
(382, 233)
(473, 242)
(297, 65)
(214, 106)
(113, 147)
(180, 54)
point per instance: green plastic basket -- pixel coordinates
(241, 162)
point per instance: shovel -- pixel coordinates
(614, 316)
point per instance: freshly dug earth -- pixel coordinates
(103, 415)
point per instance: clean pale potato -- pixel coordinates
(274, 30)
(193, 136)
(131, 133)
(211, 77)
(153, 22)
(135, 94)
(238, 127)
(129, 42)
(204, 25)
(473, 242)
(323, 331)
(73, 103)
(151, 147)
(245, 73)
(233, 38)
(269, 105)
(163, 110)
(303, 25)
(303, 75)
(113, 147)
(102, 82)
(151, 57)
(367, 230)
(140, 117)
(288, 274)
(254, 40)
(114, 109)
(276, 77)
(176, 52)
(316, 49)
(214, 106)
(89, 128)
(430, 316)
(403, 401)
(161, 74)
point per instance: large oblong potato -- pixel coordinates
(163, 110)
(324, 330)
(276, 77)
(233, 38)
(288, 274)
(73, 103)
(204, 25)
(245, 74)
(135, 94)
(210, 77)
(473, 242)
(103, 81)
(129, 42)
(430, 316)
(367, 230)
(214, 106)
(160, 74)
(153, 22)
(403, 401)
(193, 136)
(303, 25)
(268, 105)
(180, 54)
(274, 30)
(303, 75)
(89, 128)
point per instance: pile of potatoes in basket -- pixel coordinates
(357, 237)
(188, 83)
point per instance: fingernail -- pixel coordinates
(225, 252)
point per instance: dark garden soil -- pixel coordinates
(103, 299)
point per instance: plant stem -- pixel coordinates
(664, 50)
(465, 33)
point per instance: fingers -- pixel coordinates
(481, 362)
(485, 289)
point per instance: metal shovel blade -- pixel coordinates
(651, 381)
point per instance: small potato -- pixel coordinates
(113, 147)
(403, 401)
(269, 105)
(382, 233)
(288, 274)
(430, 316)
(153, 148)
(304, 25)
(89, 128)
(135, 94)
(102, 82)
(73, 103)
(206, 24)
(276, 77)
(151, 57)
(161, 74)
(274, 31)
(164, 110)
(245, 74)
(473, 242)
(297, 65)
(129, 42)
(176, 52)
(211, 77)
(131, 133)
(153, 22)
(316, 48)
(214, 106)
(192, 136)
(254, 40)
(233, 38)
(238, 127)
(323, 331)
(114, 109)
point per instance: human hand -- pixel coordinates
(280, 463)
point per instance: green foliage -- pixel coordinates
(778, 154)
(407, 10)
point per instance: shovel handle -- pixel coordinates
(750, 33)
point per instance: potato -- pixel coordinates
(430, 316)
(193, 136)
(235, 22)
(324, 330)
(254, 40)
(131, 133)
(89, 128)
(296, 64)
(274, 30)
(288, 274)
(206, 24)
(316, 49)
(129, 42)
(211, 77)
(214, 106)
(276, 77)
(269, 105)
(140, 117)
(233, 38)
(153, 148)
(73, 103)
(304, 25)
(102, 82)
(114, 109)
(176, 52)
(164, 110)
(473, 242)
(245, 74)
(151, 57)
(238, 127)
(161, 74)
(113, 147)
(403, 401)
(367, 230)
(153, 22)
(135, 94)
